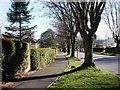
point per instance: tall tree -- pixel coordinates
(88, 17)
(19, 16)
(112, 20)
(47, 39)
(64, 15)
(64, 37)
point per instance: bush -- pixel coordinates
(118, 50)
(109, 50)
(40, 57)
(112, 50)
(15, 59)
(57, 50)
(98, 49)
(8, 51)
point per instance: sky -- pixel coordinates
(43, 22)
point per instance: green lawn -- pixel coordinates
(87, 78)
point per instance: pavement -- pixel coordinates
(44, 77)
(108, 63)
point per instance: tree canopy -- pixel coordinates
(112, 20)
(19, 17)
(47, 39)
(83, 17)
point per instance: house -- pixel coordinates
(109, 42)
(34, 42)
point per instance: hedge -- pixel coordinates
(98, 49)
(16, 58)
(112, 50)
(40, 57)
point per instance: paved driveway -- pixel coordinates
(109, 63)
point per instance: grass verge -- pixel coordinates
(93, 78)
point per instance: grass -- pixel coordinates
(88, 78)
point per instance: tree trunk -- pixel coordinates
(20, 26)
(88, 61)
(20, 31)
(63, 49)
(68, 47)
(117, 50)
(117, 44)
(73, 46)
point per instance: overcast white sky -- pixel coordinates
(42, 22)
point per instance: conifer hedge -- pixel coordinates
(40, 57)
(16, 58)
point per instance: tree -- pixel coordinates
(111, 18)
(63, 13)
(88, 16)
(47, 39)
(19, 16)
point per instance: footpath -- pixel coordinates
(44, 77)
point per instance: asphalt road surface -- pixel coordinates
(109, 63)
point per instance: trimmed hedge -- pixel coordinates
(107, 50)
(98, 49)
(40, 57)
(110, 50)
(16, 58)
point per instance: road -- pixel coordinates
(109, 63)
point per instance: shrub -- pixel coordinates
(110, 50)
(118, 50)
(57, 50)
(15, 58)
(40, 57)
(8, 47)
(98, 49)
(35, 59)
(8, 51)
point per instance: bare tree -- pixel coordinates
(88, 16)
(64, 14)
(111, 18)
(61, 23)
(85, 17)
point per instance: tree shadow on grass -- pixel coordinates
(48, 76)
